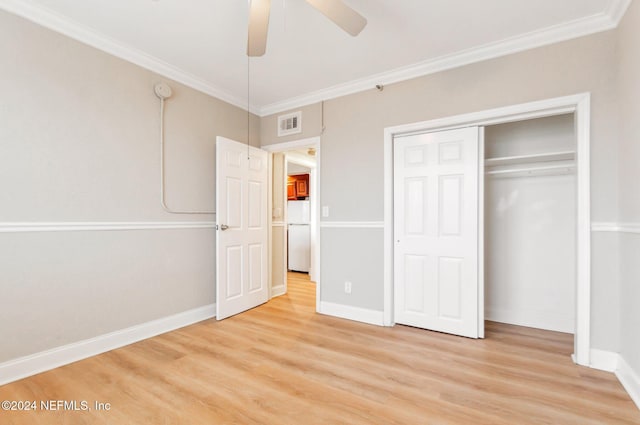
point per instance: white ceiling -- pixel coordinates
(202, 43)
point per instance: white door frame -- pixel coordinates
(311, 142)
(580, 105)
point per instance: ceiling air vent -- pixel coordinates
(290, 124)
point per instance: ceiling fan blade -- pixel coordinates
(341, 14)
(258, 27)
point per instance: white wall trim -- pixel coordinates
(617, 10)
(580, 105)
(352, 224)
(296, 144)
(64, 25)
(604, 360)
(629, 380)
(372, 317)
(615, 227)
(270, 224)
(276, 291)
(74, 226)
(278, 224)
(582, 339)
(603, 21)
(46, 360)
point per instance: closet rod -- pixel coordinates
(569, 168)
(533, 158)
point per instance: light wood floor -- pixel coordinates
(283, 364)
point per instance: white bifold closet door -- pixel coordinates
(436, 212)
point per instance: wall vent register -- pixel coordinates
(290, 124)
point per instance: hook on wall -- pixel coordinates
(380, 87)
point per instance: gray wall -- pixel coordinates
(629, 72)
(352, 150)
(311, 125)
(353, 255)
(79, 142)
(63, 287)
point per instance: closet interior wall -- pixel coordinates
(530, 223)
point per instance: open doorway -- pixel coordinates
(299, 165)
(294, 205)
(530, 223)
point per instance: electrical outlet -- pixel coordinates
(325, 211)
(347, 287)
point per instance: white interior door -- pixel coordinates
(436, 209)
(242, 235)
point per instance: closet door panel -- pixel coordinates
(436, 231)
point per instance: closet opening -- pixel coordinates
(530, 222)
(536, 238)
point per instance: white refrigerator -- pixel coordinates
(298, 236)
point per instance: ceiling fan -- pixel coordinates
(336, 10)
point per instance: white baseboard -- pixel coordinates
(603, 360)
(614, 362)
(629, 380)
(276, 291)
(373, 317)
(22, 367)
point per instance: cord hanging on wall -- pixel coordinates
(164, 92)
(323, 128)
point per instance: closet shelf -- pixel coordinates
(526, 159)
(542, 170)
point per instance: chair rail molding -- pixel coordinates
(626, 227)
(74, 226)
(353, 224)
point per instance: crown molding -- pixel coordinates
(63, 25)
(606, 20)
(617, 10)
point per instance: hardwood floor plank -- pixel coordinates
(282, 363)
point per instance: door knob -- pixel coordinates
(223, 227)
